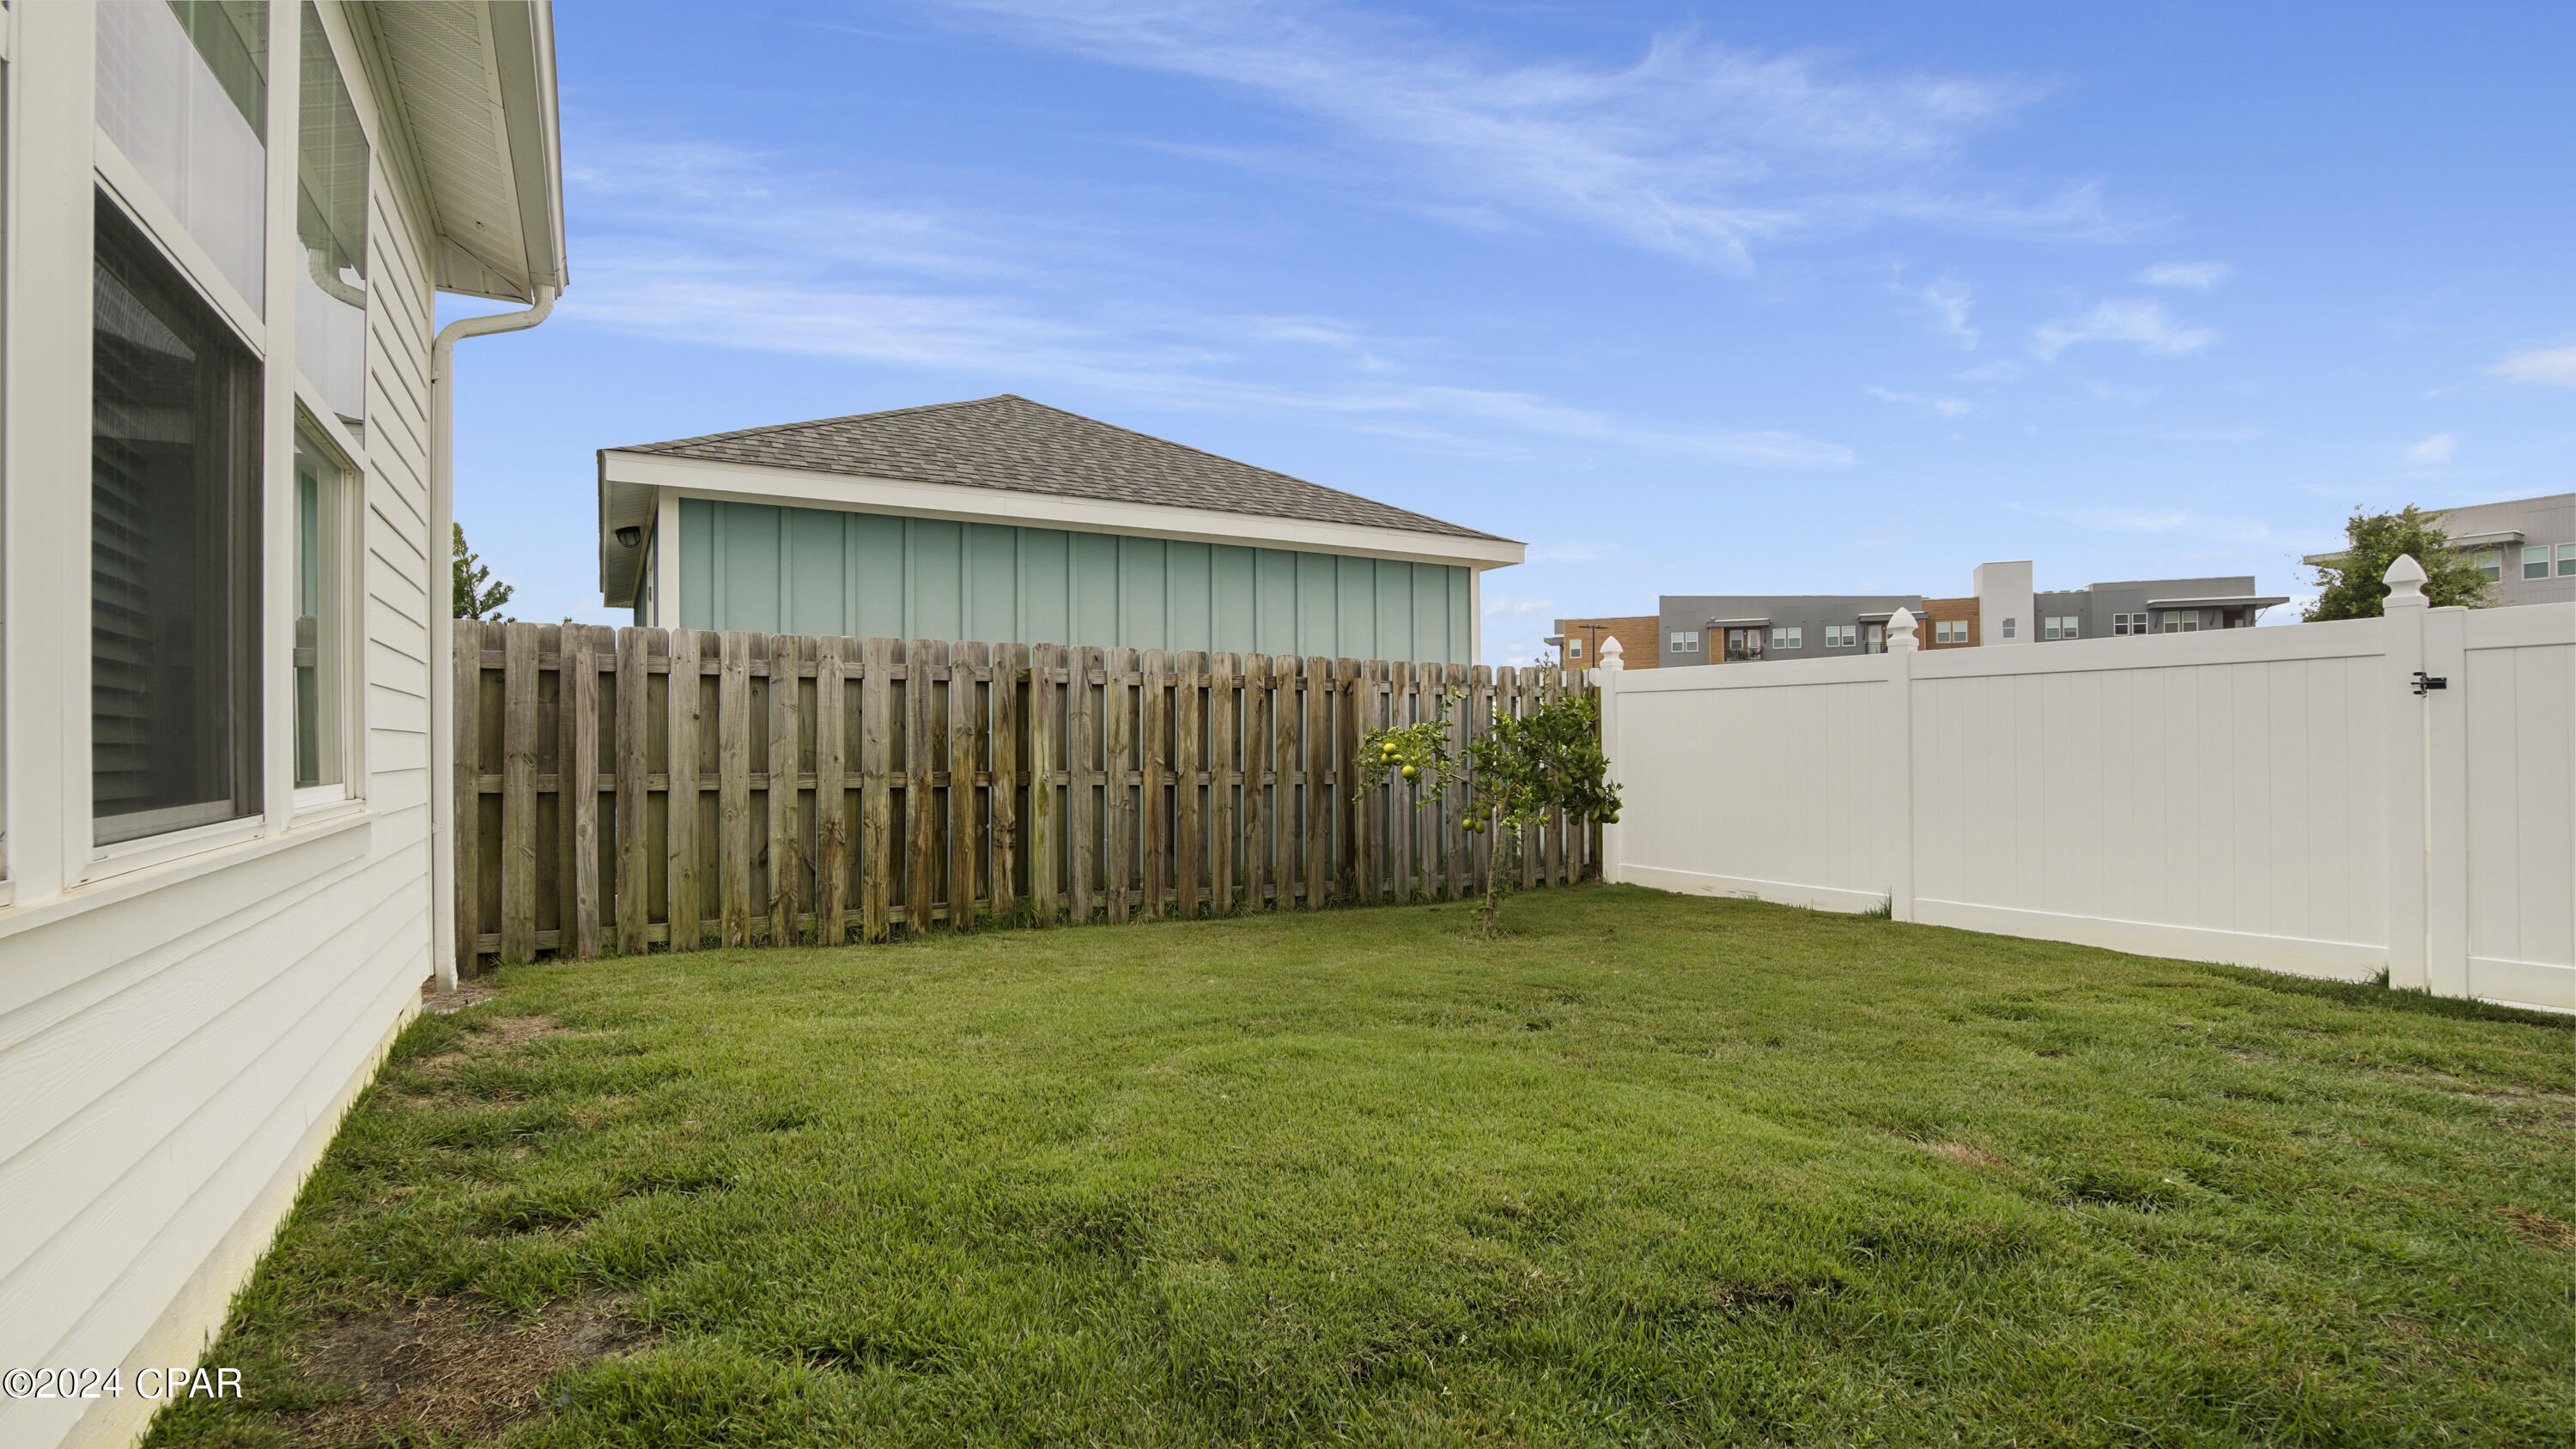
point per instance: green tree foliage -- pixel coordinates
(478, 595)
(2350, 586)
(1519, 772)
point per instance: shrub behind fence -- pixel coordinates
(771, 789)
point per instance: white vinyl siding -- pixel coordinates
(178, 1040)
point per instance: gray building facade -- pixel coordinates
(2150, 606)
(2525, 547)
(1742, 628)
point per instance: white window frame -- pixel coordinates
(267, 338)
(345, 548)
(2535, 561)
(181, 836)
(1788, 636)
(2566, 560)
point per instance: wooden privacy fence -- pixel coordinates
(771, 789)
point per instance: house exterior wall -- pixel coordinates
(183, 1020)
(776, 568)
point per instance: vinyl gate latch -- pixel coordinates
(2427, 683)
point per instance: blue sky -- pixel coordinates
(1762, 298)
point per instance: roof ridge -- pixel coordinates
(1219, 457)
(774, 429)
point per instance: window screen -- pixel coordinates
(330, 231)
(174, 551)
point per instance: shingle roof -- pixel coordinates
(1019, 446)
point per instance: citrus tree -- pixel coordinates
(1523, 769)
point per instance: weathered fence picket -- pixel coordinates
(920, 781)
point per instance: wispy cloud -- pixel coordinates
(1516, 627)
(2197, 276)
(2125, 520)
(1949, 300)
(1027, 302)
(2433, 451)
(1694, 149)
(1500, 605)
(1935, 407)
(2139, 321)
(2152, 520)
(2550, 367)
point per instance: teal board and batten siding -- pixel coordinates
(783, 570)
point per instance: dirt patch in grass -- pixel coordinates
(1963, 1153)
(492, 1035)
(2541, 1230)
(468, 992)
(445, 1369)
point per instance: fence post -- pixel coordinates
(1046, 661)
(1901, 646)
(831, 793)
(2446, 803)
(633, 895)
(733, 782)
(681, 905)
(1605, 678)
(577, 790)
(785, 844)
(2404, 645)
(465, 807)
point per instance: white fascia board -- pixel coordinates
(804, 488)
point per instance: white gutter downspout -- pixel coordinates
(442, 632)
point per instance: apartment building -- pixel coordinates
(2526, 547)
(2001, 608)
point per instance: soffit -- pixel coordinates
(475, 83)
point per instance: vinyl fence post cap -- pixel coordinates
(1900, 631)
(1613, 654)
(2405, 580)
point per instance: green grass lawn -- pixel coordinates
(1652, 1170)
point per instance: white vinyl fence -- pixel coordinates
(2282, 797)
